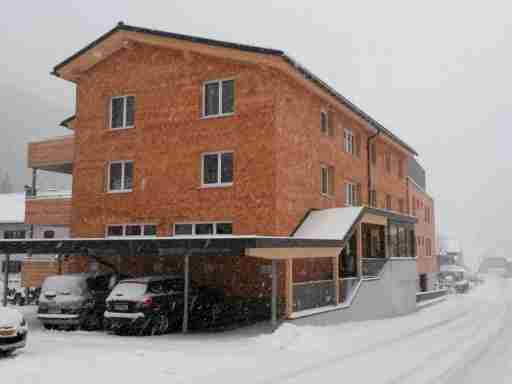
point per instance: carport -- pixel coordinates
(274, 248)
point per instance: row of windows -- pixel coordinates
(216, 170)
(180, 229)
(352, 190)
(351, 142)
(218, 100)
(427, 243)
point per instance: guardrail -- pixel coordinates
(348, 286)
(373, 267)
(313, 294)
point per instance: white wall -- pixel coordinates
(393, 294)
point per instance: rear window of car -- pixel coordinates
(129, 290)
(65, 285)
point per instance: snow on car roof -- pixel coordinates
(12, 208)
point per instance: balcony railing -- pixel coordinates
(49, 208)
(54, 155)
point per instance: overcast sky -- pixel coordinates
(436, 73)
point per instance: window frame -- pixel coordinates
(219, 182)
(329, 174)
(123, 171)
(221, 113)
(350, 194)
(124, 125)
(324, 130)
(195, 223)
(349, 141)
(142, 230)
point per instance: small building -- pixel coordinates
(12, 226)
(421, 205)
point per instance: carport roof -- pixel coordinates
(191, 245)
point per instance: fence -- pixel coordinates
(313, 294)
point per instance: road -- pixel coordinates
(466, 339)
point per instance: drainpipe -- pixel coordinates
(368, 150)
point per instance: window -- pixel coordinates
(373, 153)
(120, 176)
(388, 162)
(14, 266)
(217, 168)
(131, 230)
(348, 258)
(373, 198)
(202, 229)
(15, 234)
(49, 234)
(122, 112)
(413, 206)
(388, 202)
(324, 122)
(401, 205)
(326, 180)
(218, 98)
(428, 251)
(349, 141)
(400, 168)
(351, 192)
(401, 241)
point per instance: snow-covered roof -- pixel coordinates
(12, 208)
(332, 223)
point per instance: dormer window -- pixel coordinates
(122, 112)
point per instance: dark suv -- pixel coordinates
(75, 300)
(154, 305)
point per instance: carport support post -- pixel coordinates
(6, 278)
(186, 268)
(274, 293)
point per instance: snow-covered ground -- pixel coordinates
(464, 339)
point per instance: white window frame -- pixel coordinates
(124, 98)
(124, 230)
(328, 170)
(123, 163)
(214, 223)
(221, 113)
(350, 194)
(326, 132)
(348, 139)
(219, 182)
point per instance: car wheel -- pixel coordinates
(160, 325)
(7, 353)
(48, 326)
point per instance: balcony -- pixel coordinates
(53, 155)
(49, 208)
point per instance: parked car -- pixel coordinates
(75, 300)
(13, 330)
(154, 305)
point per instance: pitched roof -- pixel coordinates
(247, 48)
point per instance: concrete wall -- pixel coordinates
(393, 294)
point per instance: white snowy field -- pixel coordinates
(464, 339)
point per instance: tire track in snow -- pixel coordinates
(336, 359)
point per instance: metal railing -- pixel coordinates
(373, 267)
(348, 286)
(313, 294)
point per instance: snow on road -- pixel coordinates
(461, 340)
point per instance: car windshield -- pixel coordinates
(129, 289)
(64, 285)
